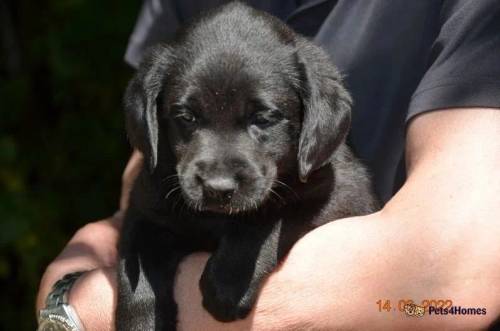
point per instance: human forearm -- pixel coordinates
(356, 262)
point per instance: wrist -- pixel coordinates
(93, 297)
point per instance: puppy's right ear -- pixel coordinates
(141, 102)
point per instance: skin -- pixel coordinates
(437, 238)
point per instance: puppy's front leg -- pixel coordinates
(146, 273)
(232, 276)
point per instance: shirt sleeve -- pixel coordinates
(464, 62)
(158, 20)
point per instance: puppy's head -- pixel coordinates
(242, 104)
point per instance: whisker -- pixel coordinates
(170, 177)
(287, 187)
(282, 200)
(172, 191)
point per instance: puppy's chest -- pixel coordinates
(206, 229)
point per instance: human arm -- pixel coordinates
(437, 238)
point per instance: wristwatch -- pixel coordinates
(58, 315)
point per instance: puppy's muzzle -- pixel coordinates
(220, 179)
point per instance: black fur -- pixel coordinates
(243, 124)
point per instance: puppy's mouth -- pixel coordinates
(221, 208)
(229, 203)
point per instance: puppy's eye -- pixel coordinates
(266, 119)
(186, 117)
(182, 114)
(259, 120)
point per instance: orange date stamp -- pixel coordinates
(412, 308)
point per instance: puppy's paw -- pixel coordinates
(225, 302)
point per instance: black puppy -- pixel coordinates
(242, 123)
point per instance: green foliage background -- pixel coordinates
(62, 142)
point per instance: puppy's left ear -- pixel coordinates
(141, 102)
(326, 108)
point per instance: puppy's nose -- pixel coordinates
(219, 187)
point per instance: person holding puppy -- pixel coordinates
(424, 77)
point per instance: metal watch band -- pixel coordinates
(58, 315)
(60, 290)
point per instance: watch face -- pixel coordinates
(51, 325)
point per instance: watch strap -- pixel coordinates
(58, 314)
(60, 290)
